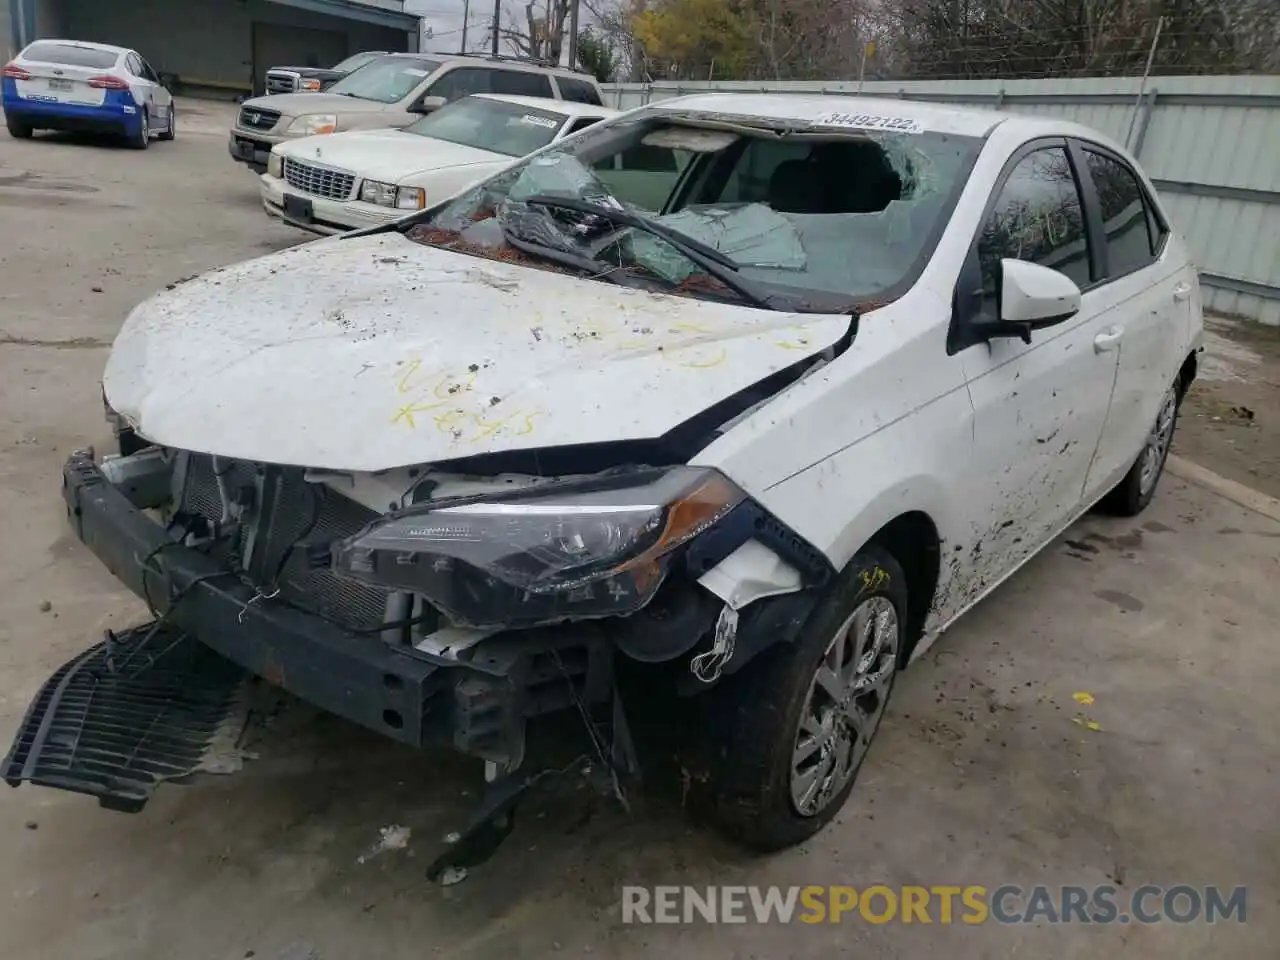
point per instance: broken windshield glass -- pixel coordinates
(820, 218)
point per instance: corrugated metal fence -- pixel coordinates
(1211, 144)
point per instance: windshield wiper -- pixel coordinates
(584, 264)
(711, 260)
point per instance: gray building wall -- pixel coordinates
(1211, 144)
(48, 18)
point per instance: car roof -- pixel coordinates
(810, 108)
(512, 62)
(83, 44)
(857, 111)
(568, 108)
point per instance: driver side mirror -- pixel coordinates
(427, 104)
(1031, 297)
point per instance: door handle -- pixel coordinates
(1108, 339)
(1182, 292)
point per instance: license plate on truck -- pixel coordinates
(61, 86)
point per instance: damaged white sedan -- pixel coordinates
(765, 389)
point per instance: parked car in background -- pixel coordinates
(349, 180)
(315, 79)
(758, 442)
(95, 87)
(394, 91)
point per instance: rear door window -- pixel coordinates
(578, 91)
(462, 82)
(521, 84)
(1134, 236)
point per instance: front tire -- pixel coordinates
(787, 736)
(171, 132)
(18, 130)
(1132, 494)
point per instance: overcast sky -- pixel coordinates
(444, 17)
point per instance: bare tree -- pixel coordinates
(953, 39)
(542, 34)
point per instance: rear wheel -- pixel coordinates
(1132, 494)
(171, 132)
(787, 736)
(17, 129)
(141, 139)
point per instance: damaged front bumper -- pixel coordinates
(475, 701)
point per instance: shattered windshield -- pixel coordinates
(727, 209)
(493, 125)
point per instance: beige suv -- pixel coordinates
(394, 91)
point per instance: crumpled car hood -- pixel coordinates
(376, 352)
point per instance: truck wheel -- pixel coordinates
(18, 130)
(786, 737)
(1132, 494)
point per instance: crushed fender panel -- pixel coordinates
(146, 705)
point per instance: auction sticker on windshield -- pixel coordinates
(869, 121)
(540, 121)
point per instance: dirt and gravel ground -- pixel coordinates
(1231, 418)
(989, 770)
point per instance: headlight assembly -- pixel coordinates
(389, 195)
(313, 125)
(275, 165)
(568, 551)
(383, 194)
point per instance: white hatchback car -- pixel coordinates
(95, 87)
(343, 181)
(751, 396)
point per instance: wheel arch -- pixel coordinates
(1187, 373)
(913, 540)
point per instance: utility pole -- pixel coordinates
(573, 34)
(466, 17)
(497, 12)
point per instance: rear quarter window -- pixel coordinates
(70, 55)
(578, 91)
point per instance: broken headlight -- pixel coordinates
(592, 549)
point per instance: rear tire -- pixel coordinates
(172, 132)
(142, 139)
(786, 737)
(1132, 494)
(17, 129)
